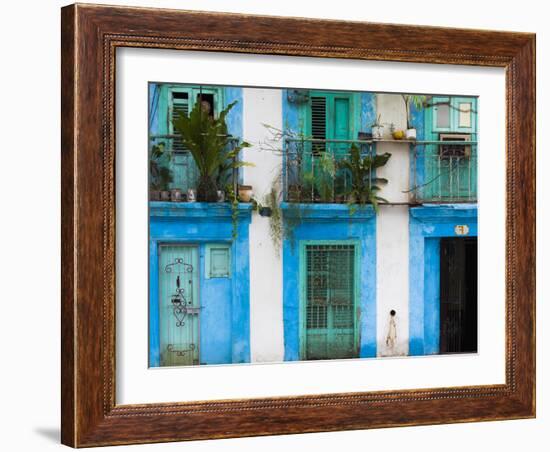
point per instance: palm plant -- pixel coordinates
(364, 184)
(207, 140)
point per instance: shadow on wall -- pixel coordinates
(50, 433)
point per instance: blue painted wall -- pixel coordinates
(428, 224)
(418, 121)
(330, 222)
(234, 119)
(368, 111)
(225, 313)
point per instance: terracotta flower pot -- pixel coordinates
(245, 193)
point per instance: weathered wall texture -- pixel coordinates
(263, 106)
(392, 233)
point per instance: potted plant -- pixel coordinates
(245, 193)
(160, 176)
(377, 129)
(207, 140)
(364, 184)
(418, 102)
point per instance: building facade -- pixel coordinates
(348, 280)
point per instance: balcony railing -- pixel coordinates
(312, 172)
(444, 172)
(184, 170)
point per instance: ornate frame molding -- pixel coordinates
(90, 36)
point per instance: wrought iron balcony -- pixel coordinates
(444, 172)
(312, 170)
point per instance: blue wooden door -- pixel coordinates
(179, 305)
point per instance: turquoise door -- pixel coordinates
(179, 305)
(329, 292)
(329, 117)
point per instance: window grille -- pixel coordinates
(454, 149)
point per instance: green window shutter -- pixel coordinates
(330, 116)
(180, 106)
(184, 170)
(319, 121)
(329, 288)
(218, 261)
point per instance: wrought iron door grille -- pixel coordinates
(330, 298)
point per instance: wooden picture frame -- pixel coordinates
(90, 36)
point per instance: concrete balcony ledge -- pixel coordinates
(327, 212)
(198, 210)
(440, 213)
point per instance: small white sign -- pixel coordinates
(462, 229)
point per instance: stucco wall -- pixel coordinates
(392, 232)
(263, 106)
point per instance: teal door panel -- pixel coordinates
(179, 305)
(328, 287)
(329, 116)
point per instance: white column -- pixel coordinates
(266, 279)
(392, 233)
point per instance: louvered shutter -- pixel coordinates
(185, 170)
(319, 122)
(180, 106)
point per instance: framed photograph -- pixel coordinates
(282, 225)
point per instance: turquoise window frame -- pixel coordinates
(454, 125)
(303, 288)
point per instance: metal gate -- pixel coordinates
(329, 290)
(179, 305)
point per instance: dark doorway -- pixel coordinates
(207, 102)
(458, 295)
